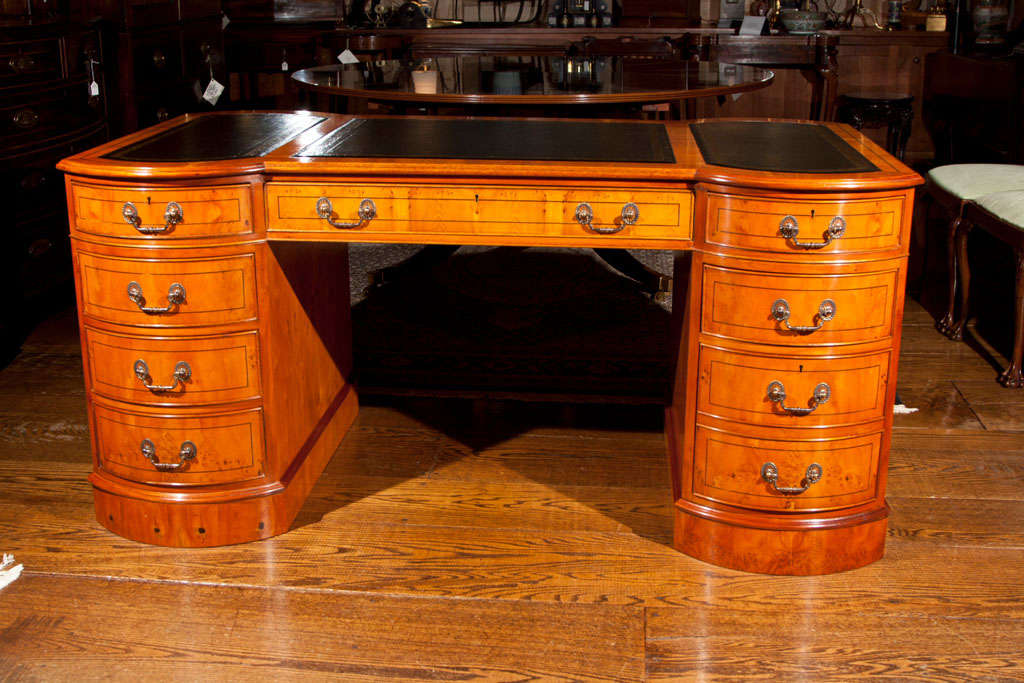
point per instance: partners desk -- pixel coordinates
(212, 276)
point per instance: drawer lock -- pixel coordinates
(777, 394)
(789, 229)
(826, 311)
(185, 453)
(175, 297)
(770, 473)
(182, 372)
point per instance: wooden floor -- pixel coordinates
(458, 540)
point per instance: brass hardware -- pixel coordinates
(770, 473)
(826, 311)
(185, 453)
(175, 297)
(367, 212)
(630, 214)
(21, 63)
(789, 228)
(182, 372)
(172, 216)
(777, 394)
(25, 118)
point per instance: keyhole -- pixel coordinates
(801, 368)
(812, 214)
(476, 198)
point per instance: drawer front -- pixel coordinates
(219, 369)
(28, 61)
(769, 474)
(785, 309)
(480, 211)
(736, 386)
(217, 449)
(168, 293)
(756, 223)
(205, 212)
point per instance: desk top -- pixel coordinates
(279, 144)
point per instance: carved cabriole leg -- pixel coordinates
(945, 325)
(956, 331)
(1012, 377)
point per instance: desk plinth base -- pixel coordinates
(171, 520)
(780, 551)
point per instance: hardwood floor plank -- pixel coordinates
(67, 628)
(939, 406)
(958, 521)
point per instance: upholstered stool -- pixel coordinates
(876, 108)
(1002, 215)
(952, 187)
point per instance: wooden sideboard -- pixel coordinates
(213, 300)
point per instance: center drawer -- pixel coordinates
(462, 213)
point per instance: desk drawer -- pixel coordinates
(480, 211)
(204, 212)
(768, 474)
(168, 293)
(775, 391)
(761, 224)
(758, 307)
(217, 449)
(191, 370)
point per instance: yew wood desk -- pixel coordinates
(212, 276)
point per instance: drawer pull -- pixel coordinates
(172, 216)
(630, 214)
(367, 212)
(182, 372)
(777, 394)
(185, 453)
(770, 473)
(789, 229)
(826, 311)
(175, 297)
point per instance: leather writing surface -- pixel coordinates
(777, 146)
(219, 137)
(512, 140)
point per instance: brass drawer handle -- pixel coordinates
(789, 228)
(172, 216)
(777, 394)
(770, 473)
(367, 212)
(175, 297)
(630, 214)
(185, 453)
(182, 372)
(826, 311)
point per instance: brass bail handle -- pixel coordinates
(770, 473)
(367, 212)
(789, 229)
(826, 311)
(186, 452)
(629, 215)
(172, 216)
(182, 372)
(777, 394)
(175, 297)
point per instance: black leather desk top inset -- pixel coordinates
(219, 137)
(777, 146)
(496, 139)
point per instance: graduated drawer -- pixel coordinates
(168, 293)
(205, 211)
(219, 369)
(747, 222)
(467, 211)
(737, 386)
(757, 307)
(226, 447)
(767, 474)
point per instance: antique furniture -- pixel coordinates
(52, 104)
(211, 268)
(875, 108)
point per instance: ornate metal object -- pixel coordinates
(777, 394)
(185, 453)
(826, 311)
(770, 473)
(172, 216)
(175, 297)
(367, 212)
(629, 215)
(789, 228)
(182, 372)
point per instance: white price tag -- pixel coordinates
(284, 66)
(347, 57)
(224, 21)
(213, 92)
(94, 89)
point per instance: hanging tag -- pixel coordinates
(213, 92)
(348, 57)
(94, 89)
(224, 21)
(284, 66)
